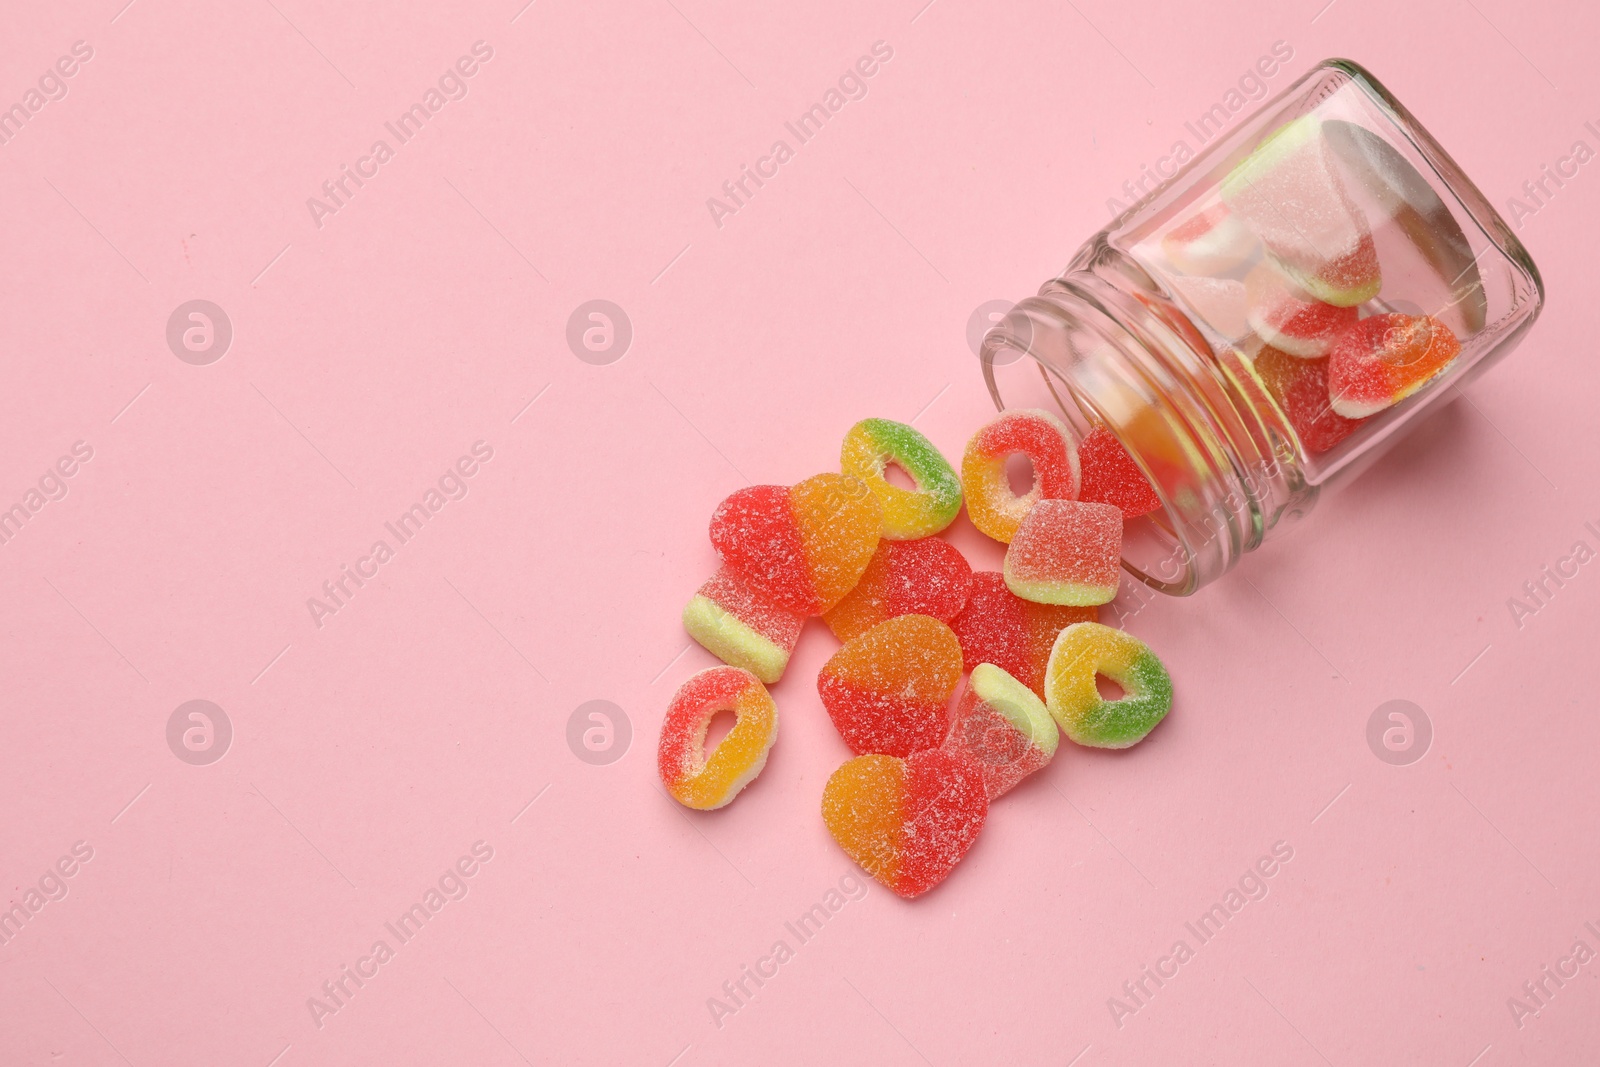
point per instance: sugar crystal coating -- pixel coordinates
(1087, 649)
(1111, 477)
(1300, 388)
(691, 777)
(1289, 191)
(1066, 552)
(741, 626)
(1016, 635)
(923, 577)
(839, 520)
(887, 690)
(1290, 320)
(1049, 445)
(1212, 241)
(869, 448)
(909, 821)
(1385, 358)
(803, 546)
(1003, 727)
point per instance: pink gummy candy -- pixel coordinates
(1066, 552)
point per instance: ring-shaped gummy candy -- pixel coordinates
(873, 444)
(1086, 649)
(694, 779)
(1049, 445)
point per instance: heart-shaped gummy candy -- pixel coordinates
(888, 689)
(804, 546)
(907, 822)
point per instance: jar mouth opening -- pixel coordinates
(1153, 549)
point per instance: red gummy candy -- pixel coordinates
(804, 546)
(1015, 635)
(1111, 477)
(927, 576)
(907, 822)
(889, 689)
(1300, 386)
(1297, 324)
(1385, 358)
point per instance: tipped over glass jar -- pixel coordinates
(1271, 318)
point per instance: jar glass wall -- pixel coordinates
(1270, 319)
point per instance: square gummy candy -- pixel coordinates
(1066, 552)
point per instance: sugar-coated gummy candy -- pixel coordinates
(1210, 242)
(887, 690)
(1347, 280)
(1289, 191)
(909, 821)
(1292, 321)
(1385, 358)
(803, 546)
(741, 627)
(1003, 727)
(1066, 552)
(1016, 635)
(704, 782)
(928, 576)
(873, 444)
(1111, 477)
(1087, 649)
(1049, 445)
(1300, 389)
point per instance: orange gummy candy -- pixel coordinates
(887, 690)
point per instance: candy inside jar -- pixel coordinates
(1270, 318)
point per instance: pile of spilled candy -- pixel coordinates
(865, 556)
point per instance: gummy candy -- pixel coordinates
(1288, 190)
(923, 577)
(1211, 242)
(1003, 727)
(1066, 552)
(1110, 476)
(1049, 446)
(887, 690)
(1300, 387)
(741, 627)
(907, 822)
(871, 445)
(701, 782)
(1351, 278)
(1016, 635)
(1087, 649)
(1291, 321)
(803, 546)
(1384, 359)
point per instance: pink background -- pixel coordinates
(368, 354)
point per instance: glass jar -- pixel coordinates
(1271, 318)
